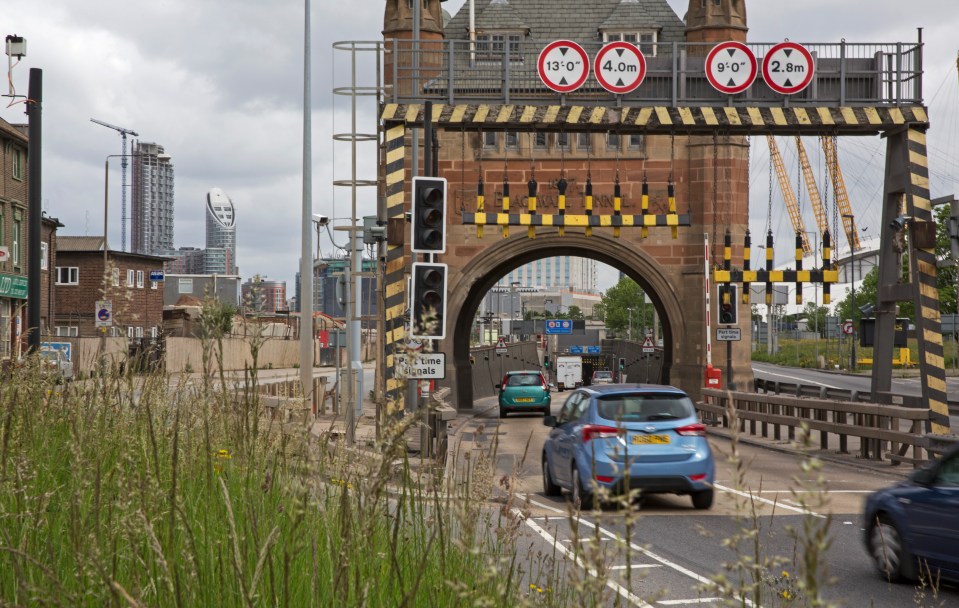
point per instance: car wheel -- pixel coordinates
(889, 552)
(549, 486)
(580, 496)
(703, 499)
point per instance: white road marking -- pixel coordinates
(619, 589)
(636, 566)
(776, 503)
(697, 600)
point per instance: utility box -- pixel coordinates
(714, 377)
(867, 332)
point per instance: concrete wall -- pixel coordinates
(644, 368)
(489, 368)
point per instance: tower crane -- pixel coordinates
(123, 179)
(822, 222)
(842, 197)
(788, 196)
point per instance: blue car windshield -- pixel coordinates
(644, 407)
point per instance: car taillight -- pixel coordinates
(696, 430)
(605, 478)
(598, 431)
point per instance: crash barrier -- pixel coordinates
(822, 392)
(284, 400)
(883, 432)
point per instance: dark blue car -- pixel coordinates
(912, 528)
(621, 437)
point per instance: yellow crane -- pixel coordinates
(842, 197)
(788, 196)
(815, 201)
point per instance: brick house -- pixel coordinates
(79, 278)
(48, 265)
(13, 239)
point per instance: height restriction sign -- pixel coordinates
(620, 67)
(731, 67)
(563, 66)
(788, 68)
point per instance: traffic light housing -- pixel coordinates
(428, 301)
(622, 363)
(728, 304)
(428, 215)
(546, 360)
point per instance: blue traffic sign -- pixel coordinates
(592, 350)
(559, 326)
(156, 275)
(576, 350)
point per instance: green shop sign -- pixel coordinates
(13, 286)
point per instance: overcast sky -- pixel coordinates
(219, 84)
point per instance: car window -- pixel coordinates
(581, 408)
(603, 374)
(524, 380)
(565, 415)
(645, 407)
(949, 473)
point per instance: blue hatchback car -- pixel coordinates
(912, 528)
(626, 437)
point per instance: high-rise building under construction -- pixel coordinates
(152, 212)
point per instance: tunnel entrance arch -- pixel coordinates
(470, 284)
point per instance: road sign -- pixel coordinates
(729, 334)
(563, 66)
(104, 311)
(576, 350)
(620, 67)
(788, 68)
(4, 254)
(156, 275)
(430, 366)
(592, 350)
(559, 326)
(501, 346)
(648, 345)
(731, 67)
(65, 348)
(847, 328)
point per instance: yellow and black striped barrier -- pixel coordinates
(776, 276)
(565, 220)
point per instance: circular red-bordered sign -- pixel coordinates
(563, 66)
(620, 67)
(788, 68)
(731, 67)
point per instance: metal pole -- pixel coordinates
(306, 245)
(34, 164)
(355, 324)
(852, 270)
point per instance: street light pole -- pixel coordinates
(629, 313)
(852, 270)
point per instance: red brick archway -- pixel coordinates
(470, 283)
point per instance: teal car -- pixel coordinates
(524, 391)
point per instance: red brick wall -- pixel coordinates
(132, 306)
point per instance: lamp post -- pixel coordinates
(852, 270)
(629, 332)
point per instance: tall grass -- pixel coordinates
(116, 492)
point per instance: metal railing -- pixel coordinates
(460, 71)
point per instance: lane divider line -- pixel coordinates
(778, 504)
(549, 538)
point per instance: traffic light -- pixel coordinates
(622, 363)
(728, 308)
(546, 360)
(428, 301)
(429, 215)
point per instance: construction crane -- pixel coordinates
(788, 196)
(815, 201)
(842, 197)
(123, 180)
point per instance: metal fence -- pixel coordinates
(460, 71)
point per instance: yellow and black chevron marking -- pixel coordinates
(929, 330)
(776, 276)
(573, 221)
(665, 119)
(395, 281)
